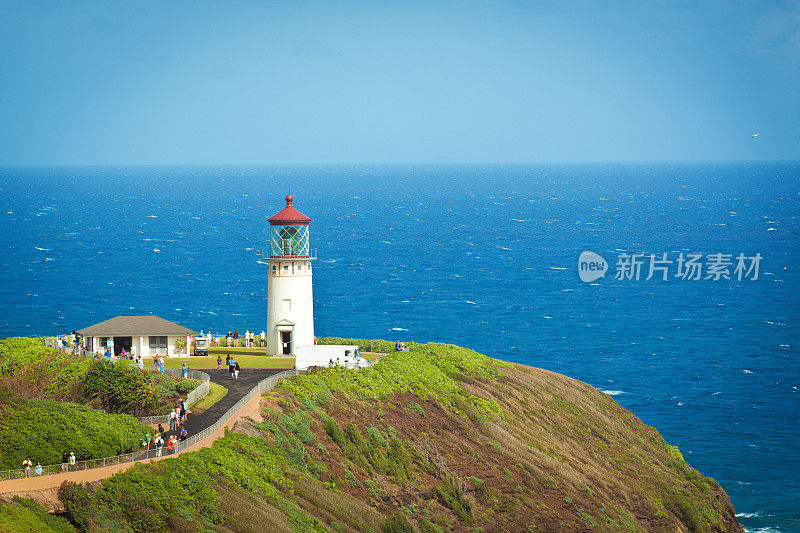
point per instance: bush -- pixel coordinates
(365, 345)
(30, 369)
(22, 514)
(43, 430)
(397, 523)
(451, 495)
(120, 387)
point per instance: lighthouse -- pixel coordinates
(290, 302)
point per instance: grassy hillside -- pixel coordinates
(437, 439)
(44, 429)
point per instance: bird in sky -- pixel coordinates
(755, 135)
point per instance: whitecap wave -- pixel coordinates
(399, 329)
(43, 249)
(612, 392)
(471, 302)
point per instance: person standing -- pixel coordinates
(185, 369)
(219, 362)
(64, 461)
(26, 466)
(228, 340)
(184, 411)
(236, 370)
(71, 461)
(173, 419)
(231, 366)
(236, 338)
(218, 339)
(184, 434)
(159, 445)
(38, 468)
(263, 336)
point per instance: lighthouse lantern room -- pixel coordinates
(290, 302)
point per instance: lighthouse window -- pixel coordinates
(274, 268)
(299, 267)
(286, 268)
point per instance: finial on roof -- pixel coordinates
(289, 198)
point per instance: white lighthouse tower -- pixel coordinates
(290, 302)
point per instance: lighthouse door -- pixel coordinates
(286, 342)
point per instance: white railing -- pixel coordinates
(262, 386)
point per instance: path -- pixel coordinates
(46, 486)
(237, 388)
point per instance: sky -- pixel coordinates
(161, 83)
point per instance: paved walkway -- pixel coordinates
(41, 486)
(237, 388)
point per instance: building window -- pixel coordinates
(299, 267)
(274, 268)
(158, 345)
(286, 305)
(286, 268)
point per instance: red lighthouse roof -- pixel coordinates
(289, 216)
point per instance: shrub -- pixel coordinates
(43, 430)
(120, 387)
(397, 523)
(451, 495)
(22, 514)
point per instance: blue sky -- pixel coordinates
(367, 82)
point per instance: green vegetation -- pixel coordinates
(430, 371)
(436, 439)
(29, 368)
(365, 345)
(44, 429)
(25, 515)
(215, 393)
(121, 387)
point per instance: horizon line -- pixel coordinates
(394, 163)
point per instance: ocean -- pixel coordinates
(483, 256)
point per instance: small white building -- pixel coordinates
(144, 335)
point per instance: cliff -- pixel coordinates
(437, 439)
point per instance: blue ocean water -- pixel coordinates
(483, 256)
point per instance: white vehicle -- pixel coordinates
(328, 355)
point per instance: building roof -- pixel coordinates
(289, 216)
(128, 326)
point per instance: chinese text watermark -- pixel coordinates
(684, 266)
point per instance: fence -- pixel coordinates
(191, 398)
(151, 453)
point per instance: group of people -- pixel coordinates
(231, 363)
(27, 464)
(68, 462)
(177, 417)
(231, 338)
(400, 346)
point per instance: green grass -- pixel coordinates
(215, 393)
(245, 361)
(432, 370)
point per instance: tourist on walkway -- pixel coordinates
(263, 336)
(71, 461)
(64, 461)
(159, 445)
(173, 419)
(184, 411)
(218, 339)
(219, 362)
(26, 466)
(231, 366)
(236, 338)
(184, 434)
(171, 443)
(160, 430)
(185, 369)
(38, 468)
(236, 370)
